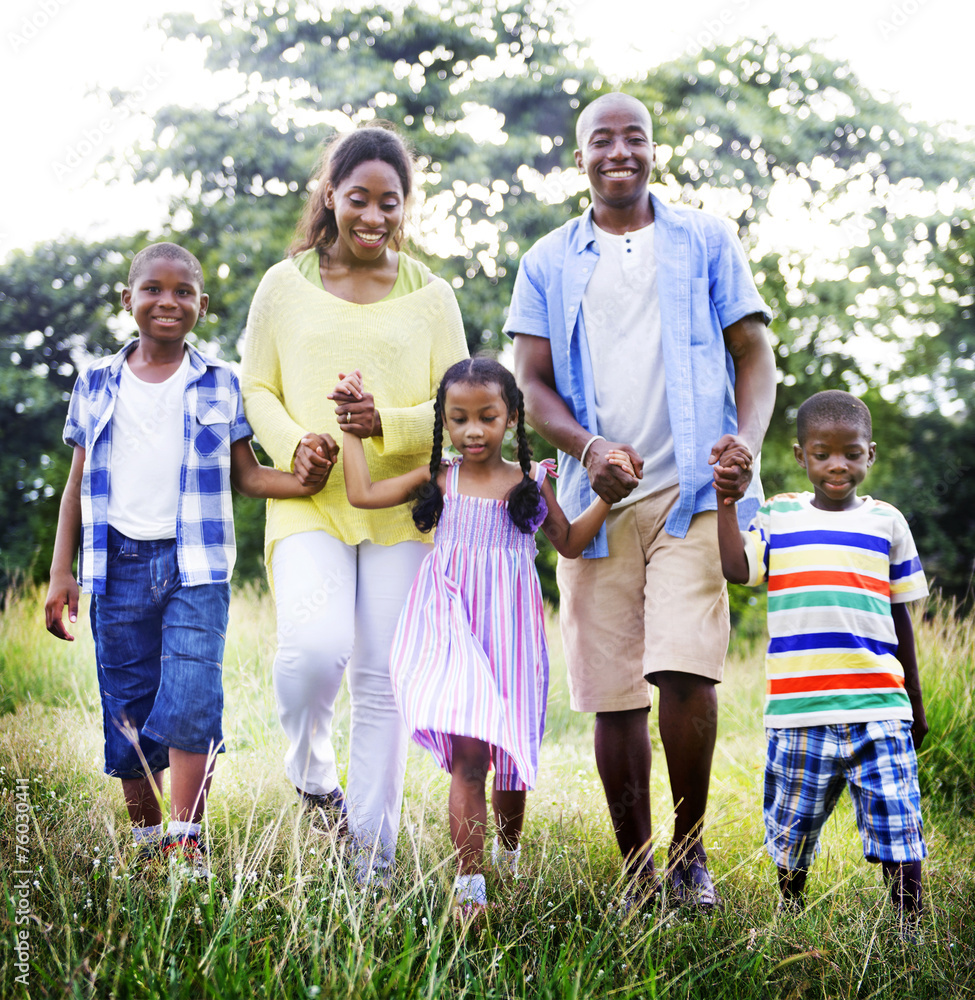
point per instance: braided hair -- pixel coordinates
(524, 499)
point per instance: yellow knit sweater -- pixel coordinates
(299, 337)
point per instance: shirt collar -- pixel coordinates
(585, 235)
(198, 362)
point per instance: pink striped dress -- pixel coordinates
(469, 656)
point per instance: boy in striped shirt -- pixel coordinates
(843, 704)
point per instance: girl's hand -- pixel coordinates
(315, 458)
(621, 459)
(356, 410)
(349, 385)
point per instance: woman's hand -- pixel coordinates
(355, 408)
(315, 457)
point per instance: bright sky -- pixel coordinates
(54, 53)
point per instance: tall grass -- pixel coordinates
(282, 918)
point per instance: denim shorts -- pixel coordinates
(159, 647)
(807, 769)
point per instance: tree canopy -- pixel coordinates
(856, 220)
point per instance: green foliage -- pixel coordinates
(56, 310)
(946, 762)
(877, 298)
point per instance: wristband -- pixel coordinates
(585, 451)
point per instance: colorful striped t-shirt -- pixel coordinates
(832, 577)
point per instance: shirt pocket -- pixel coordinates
(702, 323)
(212, 426)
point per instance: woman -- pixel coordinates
(347, 298)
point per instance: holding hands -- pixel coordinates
(732, 461)
(355, 408)
(612, 479)
(315, 458)
(621, 460)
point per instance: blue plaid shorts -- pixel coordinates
(807, 769)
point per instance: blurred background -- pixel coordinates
(842, 149)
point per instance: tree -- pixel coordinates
(58, 307)
(772, 137)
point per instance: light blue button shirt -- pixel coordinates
(704, 285)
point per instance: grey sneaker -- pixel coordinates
(690, 885)
(327, 812)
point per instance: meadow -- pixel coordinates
(282, 917)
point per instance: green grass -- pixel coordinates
(281, 918)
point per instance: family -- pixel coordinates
(641, 353)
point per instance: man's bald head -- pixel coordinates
(617, 102)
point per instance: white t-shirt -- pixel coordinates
(147, 454)
(622, 317)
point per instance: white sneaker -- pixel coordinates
(470, 892)
(505, 862)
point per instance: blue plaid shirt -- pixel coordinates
(213, 418)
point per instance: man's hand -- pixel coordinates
(732, 460)
(609, 480)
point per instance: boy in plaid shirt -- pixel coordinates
(159, 436)
(843, 704)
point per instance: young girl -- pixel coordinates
(469, 662)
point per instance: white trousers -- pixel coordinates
(337, 607)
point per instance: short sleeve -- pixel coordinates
(239, 427)
(731, 285)
(907, 582)
(75, 424)
(756, 542)
(528, 312)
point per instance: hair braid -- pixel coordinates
(524, 501)
(428, 505)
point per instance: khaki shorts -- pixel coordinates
(655, 603)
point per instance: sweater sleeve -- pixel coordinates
(408, 429)
(276, 431)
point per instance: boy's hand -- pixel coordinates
(63, 590)
(732, 463)
(919, 727)
(315, 458)
(355, 408)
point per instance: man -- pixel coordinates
(638, 327)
